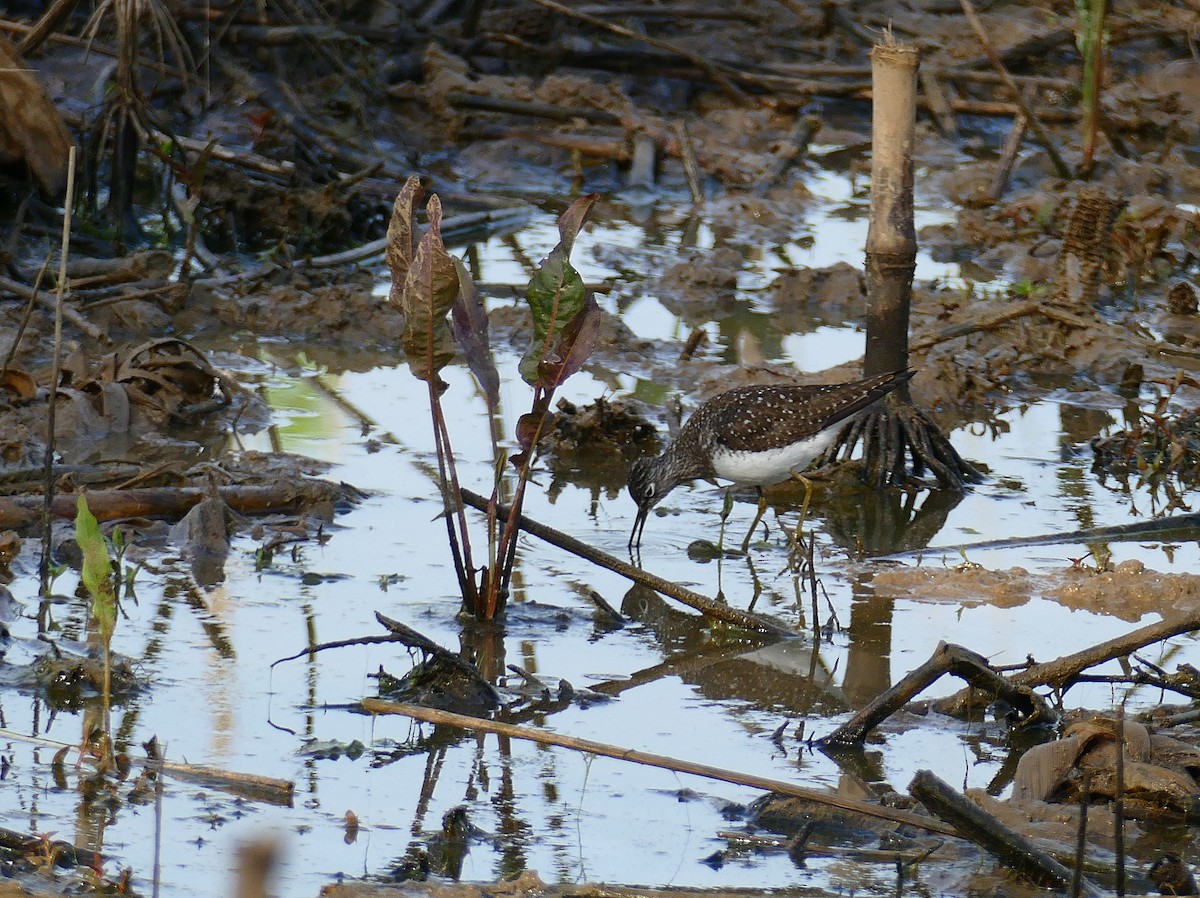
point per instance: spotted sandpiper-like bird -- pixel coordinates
(754, 436)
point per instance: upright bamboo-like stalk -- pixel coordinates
(898, 430)
(1091, 39)
(891, 237)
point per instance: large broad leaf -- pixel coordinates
(469, 322)
(401, 237)
(556, 293)
(97, 569)
(430, 288)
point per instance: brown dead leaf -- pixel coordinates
(18, 386)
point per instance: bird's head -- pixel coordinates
(650, 479)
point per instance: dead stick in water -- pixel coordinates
(544, 737)
(1060, 672)
(1181, 524)
(703, 604)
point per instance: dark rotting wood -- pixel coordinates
(972, 822)
(802, 134)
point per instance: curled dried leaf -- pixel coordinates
(401, 236)
(18, 386)
(430, 289)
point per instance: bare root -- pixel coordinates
(900, 442)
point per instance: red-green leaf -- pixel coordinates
(575, 345)
(556, 293)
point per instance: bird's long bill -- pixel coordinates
(639, 524)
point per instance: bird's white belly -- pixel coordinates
(771, 465)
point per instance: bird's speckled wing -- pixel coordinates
(768, 417)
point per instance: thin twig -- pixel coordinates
(1008, 157)
(56, 373)
(1119, 804)
(691, 167)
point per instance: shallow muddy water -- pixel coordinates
(679, 688)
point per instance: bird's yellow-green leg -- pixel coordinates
(808, 489)
(762, 508)
(725, 509)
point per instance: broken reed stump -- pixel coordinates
(891, 236)
(890, 432)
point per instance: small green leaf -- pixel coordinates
(97, 569)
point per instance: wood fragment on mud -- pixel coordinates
(608, 750)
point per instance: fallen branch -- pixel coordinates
(544, 737)
(463, 100)
(706, 606)
(1181, 524)
(48, 301)
(1031, 307)
(946, 659)
(1043, 136)
(18, 512)
(713, 70)
(249, 785)
(1061, 672)
(616, 149)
